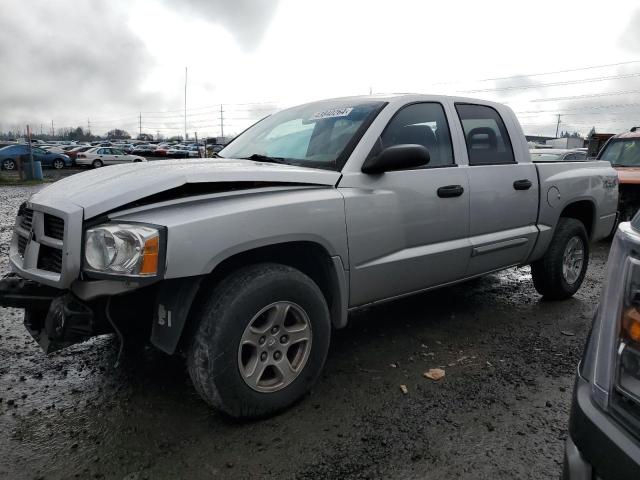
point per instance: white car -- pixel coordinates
(101, 156)
(54, 149)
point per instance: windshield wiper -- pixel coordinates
(256, 157)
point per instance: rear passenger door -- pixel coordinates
(503, 193)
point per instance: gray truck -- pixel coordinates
(247, 261)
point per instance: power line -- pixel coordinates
(592, 67)
(554, 84)
(591, 95)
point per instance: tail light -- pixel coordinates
(81, 155)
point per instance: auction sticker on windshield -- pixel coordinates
(332, 113)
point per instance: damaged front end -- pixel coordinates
(55, 318)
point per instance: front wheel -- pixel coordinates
(560, 273)
(261, 341)
(58, 164)
(9, 164)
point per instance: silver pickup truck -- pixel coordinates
(246, 262)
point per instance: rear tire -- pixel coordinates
(237, 335)
(97, 164)
(560, 273)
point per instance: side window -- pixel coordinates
(423, 124)
(486, 136)
(102, 151)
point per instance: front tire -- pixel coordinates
(261, 341)
(560, 273)
(9, 164)
(58, 164)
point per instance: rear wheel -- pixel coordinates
(560, 273)
(9, 164)
(261, 342)
(97, 164)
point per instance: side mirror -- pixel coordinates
(397, 157)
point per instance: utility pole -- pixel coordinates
(40, 129)
(88, 125)
(53, 130)
(558, 126)
(185, 104)
(140, 124)
(221, 123)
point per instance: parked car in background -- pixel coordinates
(127, 147)
(272, 244)
(214, 148)
(101, 156)
(53, 149)
(179, 151)
(557, 155)
(10, 155)
(73, 153)
(160, 151)
(623, 152)
(604, 426)
(143, 148)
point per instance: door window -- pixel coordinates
(422, 124)
(486, 136)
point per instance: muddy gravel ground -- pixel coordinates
(501, 411)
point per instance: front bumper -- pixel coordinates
(598, 447)
(55, 318)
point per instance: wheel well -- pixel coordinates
(310, 258)
(583, 211)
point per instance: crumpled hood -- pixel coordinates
(107, 188)
(628, 175)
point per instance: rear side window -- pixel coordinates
(486, 136)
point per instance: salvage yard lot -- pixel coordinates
(501, 411)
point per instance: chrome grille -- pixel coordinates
(22, 245)
(50, 259)
(53, 226)
(41, 234)
(27, 217)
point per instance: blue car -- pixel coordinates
(9, 157)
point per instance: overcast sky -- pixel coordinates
(105, 61)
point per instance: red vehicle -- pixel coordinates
(623, 152)
(73, 153)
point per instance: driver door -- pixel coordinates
(408, 229)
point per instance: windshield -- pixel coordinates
(623, 153)
(312, 135)
(546, 157)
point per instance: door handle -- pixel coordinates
(450, 191)
(522, 184)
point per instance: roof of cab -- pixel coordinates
(399, 97)
(633, 133)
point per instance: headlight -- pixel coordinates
(628, 378)
(122, 249)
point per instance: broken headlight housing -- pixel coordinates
(123, 249)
